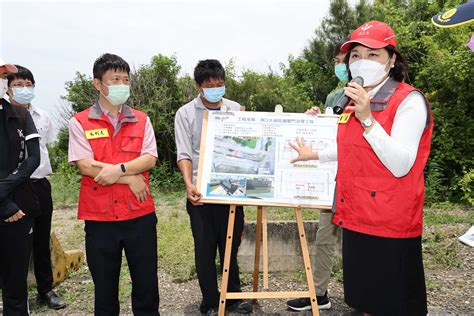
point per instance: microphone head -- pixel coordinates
(344, 100)
(359, 80)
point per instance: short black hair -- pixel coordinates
(337, 48)
(109, 62)
(207, 69)
(22, 73)
(399, 70)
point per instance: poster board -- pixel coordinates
(245, 159)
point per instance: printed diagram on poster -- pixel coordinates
(245, 159)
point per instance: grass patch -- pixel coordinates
(440, 248)
(431, 284)
(176, 248)
(448, 213)
(65, 183)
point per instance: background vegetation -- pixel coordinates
(439, 62)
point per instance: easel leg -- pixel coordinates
(265, 248)
(258, 239)
(228, 251)
(306, 260)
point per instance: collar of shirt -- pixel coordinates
(33, 110)
(113, 120)
(376, 89)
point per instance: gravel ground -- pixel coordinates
(451, 291)
(184, 298)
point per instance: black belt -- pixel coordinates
(36, 180)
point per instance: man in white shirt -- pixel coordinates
(21, 93)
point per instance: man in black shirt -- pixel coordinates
(19, 157)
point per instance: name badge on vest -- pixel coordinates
(97, 133)
(344, 118)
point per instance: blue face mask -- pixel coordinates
(23, 95)
(341, 72)
(213, 95)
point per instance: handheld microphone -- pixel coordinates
(344, 99)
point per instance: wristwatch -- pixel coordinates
(122, 167)
(367, 122)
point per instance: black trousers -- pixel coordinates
(41, 250)
(209, 226)
(104, 244)
(16, 240)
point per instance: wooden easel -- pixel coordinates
(262, 223)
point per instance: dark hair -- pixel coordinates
(23, 73)
(399, 70)
(109, 62)
(337, 48)
(207, 69)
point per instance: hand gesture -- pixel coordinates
(304, 152)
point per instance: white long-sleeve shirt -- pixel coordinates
(397, 151)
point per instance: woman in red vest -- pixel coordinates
(383, 143)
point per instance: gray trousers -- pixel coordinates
(326, 240)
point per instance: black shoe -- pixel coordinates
(240, 307)
(53, 300)
(304, 304)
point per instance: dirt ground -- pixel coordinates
(451, 293)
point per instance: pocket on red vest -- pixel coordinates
(380, 201)
(94, 198)
(132, 142)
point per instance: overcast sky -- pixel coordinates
(55, 39)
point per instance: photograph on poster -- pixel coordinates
(244, 155)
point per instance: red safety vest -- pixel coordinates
(115, 202)
(369, 198)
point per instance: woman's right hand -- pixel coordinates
(315, 110)
(304, 152)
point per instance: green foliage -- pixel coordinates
(261, 92)
(81, 93)
(165, 180)
(466, 184)
(65, 182)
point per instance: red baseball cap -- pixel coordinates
(373, 34)
(8, 67)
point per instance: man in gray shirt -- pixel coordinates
(208, 221)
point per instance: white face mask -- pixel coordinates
(3, 87)
(371, 71)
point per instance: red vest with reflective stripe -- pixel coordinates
(115, 202)
(369, 198)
